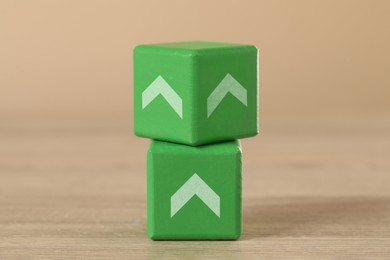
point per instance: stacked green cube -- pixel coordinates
(195, 99)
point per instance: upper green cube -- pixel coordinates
(195, 92)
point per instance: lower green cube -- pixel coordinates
(194, 193)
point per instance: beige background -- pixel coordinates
(316, 57)
(72, 175)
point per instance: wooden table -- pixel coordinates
(74, 186)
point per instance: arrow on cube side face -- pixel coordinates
(160, 87)
(228, 84)
(195, 186)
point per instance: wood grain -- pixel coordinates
(75, 187)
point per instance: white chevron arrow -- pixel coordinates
(160, 87)
(195, 186)
(228, 84)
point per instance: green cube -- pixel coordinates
(194, 193)
(195, 92)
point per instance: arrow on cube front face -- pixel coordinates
(195, 186)
(160, 87)
(228, 84)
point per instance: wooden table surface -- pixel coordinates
(75, 186)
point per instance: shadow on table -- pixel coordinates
(194, 250)
(317, 217)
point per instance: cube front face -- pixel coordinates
(162, 94)
(194, 192)
(207, 92)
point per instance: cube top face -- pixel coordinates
(194, 192)
(230, 148)
(195, 92)
(195, 47)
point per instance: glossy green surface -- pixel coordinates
(169, 167)
(193, 70)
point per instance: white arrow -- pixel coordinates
(195, 186)
(228, 84)
(160, 87)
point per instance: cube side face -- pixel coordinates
(150, 192)
(163, 89)
(183, 186)
(227, 94)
